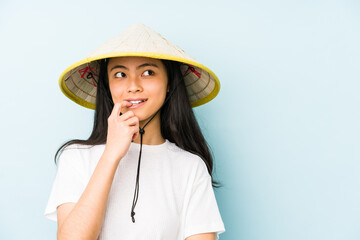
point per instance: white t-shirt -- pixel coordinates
(176, 198)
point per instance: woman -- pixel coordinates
(142, 88)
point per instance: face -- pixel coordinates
(139, 80)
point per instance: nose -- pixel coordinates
(134, 85)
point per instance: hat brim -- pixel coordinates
(62, 83)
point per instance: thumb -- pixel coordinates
(135, 136)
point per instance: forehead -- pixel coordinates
(132, 60)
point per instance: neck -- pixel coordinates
(152, 135)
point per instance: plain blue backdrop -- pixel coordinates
(284, 128)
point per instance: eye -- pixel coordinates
(148, 72)
(120, 74)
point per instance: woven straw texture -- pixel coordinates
(79, 81)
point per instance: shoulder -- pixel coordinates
(81, 149)
(189, 160)
(80, 156)
(79, 146)
(178, 152)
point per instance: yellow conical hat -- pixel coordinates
(79, 81)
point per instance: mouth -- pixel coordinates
(136, 102)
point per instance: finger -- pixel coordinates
(115, 109)
(135, 136)
(135, 126)
(132, 121)
(126, 116)
(123, 105)
(136, 132)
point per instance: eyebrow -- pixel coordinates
(137, 68)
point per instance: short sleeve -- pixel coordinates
(69, 182)
(203, 214)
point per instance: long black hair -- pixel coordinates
(178, 122)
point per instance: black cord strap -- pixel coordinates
(142, 132)
(136, 193)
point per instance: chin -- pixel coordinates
(146, 111)
(145, 116)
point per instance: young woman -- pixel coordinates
(145, 134)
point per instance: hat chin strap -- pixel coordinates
(142, 132)
(136, 193)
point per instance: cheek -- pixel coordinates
(157, 89)
(116, 91)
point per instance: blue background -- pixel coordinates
(284, 128)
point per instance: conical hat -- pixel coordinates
(79, 81)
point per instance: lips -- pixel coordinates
(135, 99)
(136, 102)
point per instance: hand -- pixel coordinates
(121, 131)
